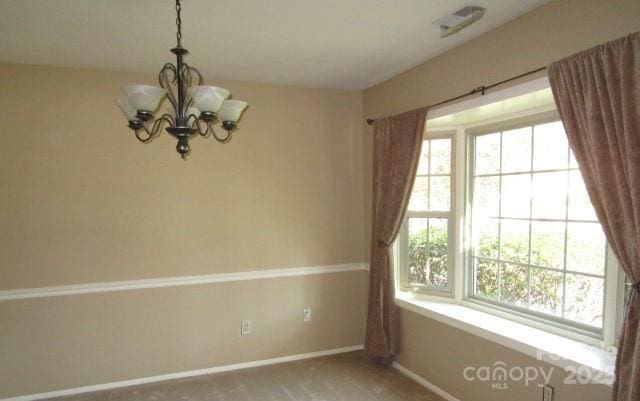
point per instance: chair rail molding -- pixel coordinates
(108, 286)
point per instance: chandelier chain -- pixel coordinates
(179, 23)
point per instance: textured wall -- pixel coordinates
(83, 201)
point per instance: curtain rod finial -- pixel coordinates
(370, 121)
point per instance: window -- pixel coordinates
(536, 242)
(427, 228)
(499, 219)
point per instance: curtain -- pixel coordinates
(598, 96)
(397, 142)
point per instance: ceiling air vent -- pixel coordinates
(457, 21)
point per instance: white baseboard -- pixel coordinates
(180, 375)
(425, 383)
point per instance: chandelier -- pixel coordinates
(194, 107)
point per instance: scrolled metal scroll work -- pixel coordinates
(187, 117)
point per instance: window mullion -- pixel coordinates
(499, 266)
(530, 222)
(566, 238)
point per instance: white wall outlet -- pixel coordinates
(245, 327)
(306, 315)
(547, 393)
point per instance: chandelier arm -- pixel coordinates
(197, 125)
(221, 140)
(195, 71)
(166, 81)
(143, 139)
(168, 118)
(155, 128)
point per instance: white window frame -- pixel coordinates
(563, 324)
(459, 235)
(403, 238)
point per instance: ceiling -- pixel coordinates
(347, 44)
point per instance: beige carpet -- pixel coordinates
(345, 377)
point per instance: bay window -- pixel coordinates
(504, 223)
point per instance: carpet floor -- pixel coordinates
(344, 377)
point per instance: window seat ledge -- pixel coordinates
(570, 355)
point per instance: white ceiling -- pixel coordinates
(349, 44)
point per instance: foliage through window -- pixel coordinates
(536, 243)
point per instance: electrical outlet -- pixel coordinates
(306, 315)
(245, 327)
(547, 393)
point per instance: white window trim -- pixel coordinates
(403, 242)
(460, 283)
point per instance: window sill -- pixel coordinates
(557, 350)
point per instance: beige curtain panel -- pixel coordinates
(598, 96)
(396, 151)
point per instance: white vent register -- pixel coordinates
(458, 20)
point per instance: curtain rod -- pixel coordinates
(480, 89)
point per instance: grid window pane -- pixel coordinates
(513, 284)
(547, 243)
(584, 299)
(428, 251)
(438, 252)
(586, 248)
(486, 196)
(516, 195)
(440, 156)
(487, 155)
(546, 291)
(440, 194)
(514, 241)
(432, 186)
(418, 231)
(549, 195)
(485, 238)
(486, 278)
(536, 243)
(516, 150)
(550, 140)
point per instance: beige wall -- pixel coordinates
(548, 33)
(440, 353)
(62, 342)
(83, 201)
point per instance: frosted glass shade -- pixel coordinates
(231, 110)
(127, 109)
(208, 98)
(144, 97)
